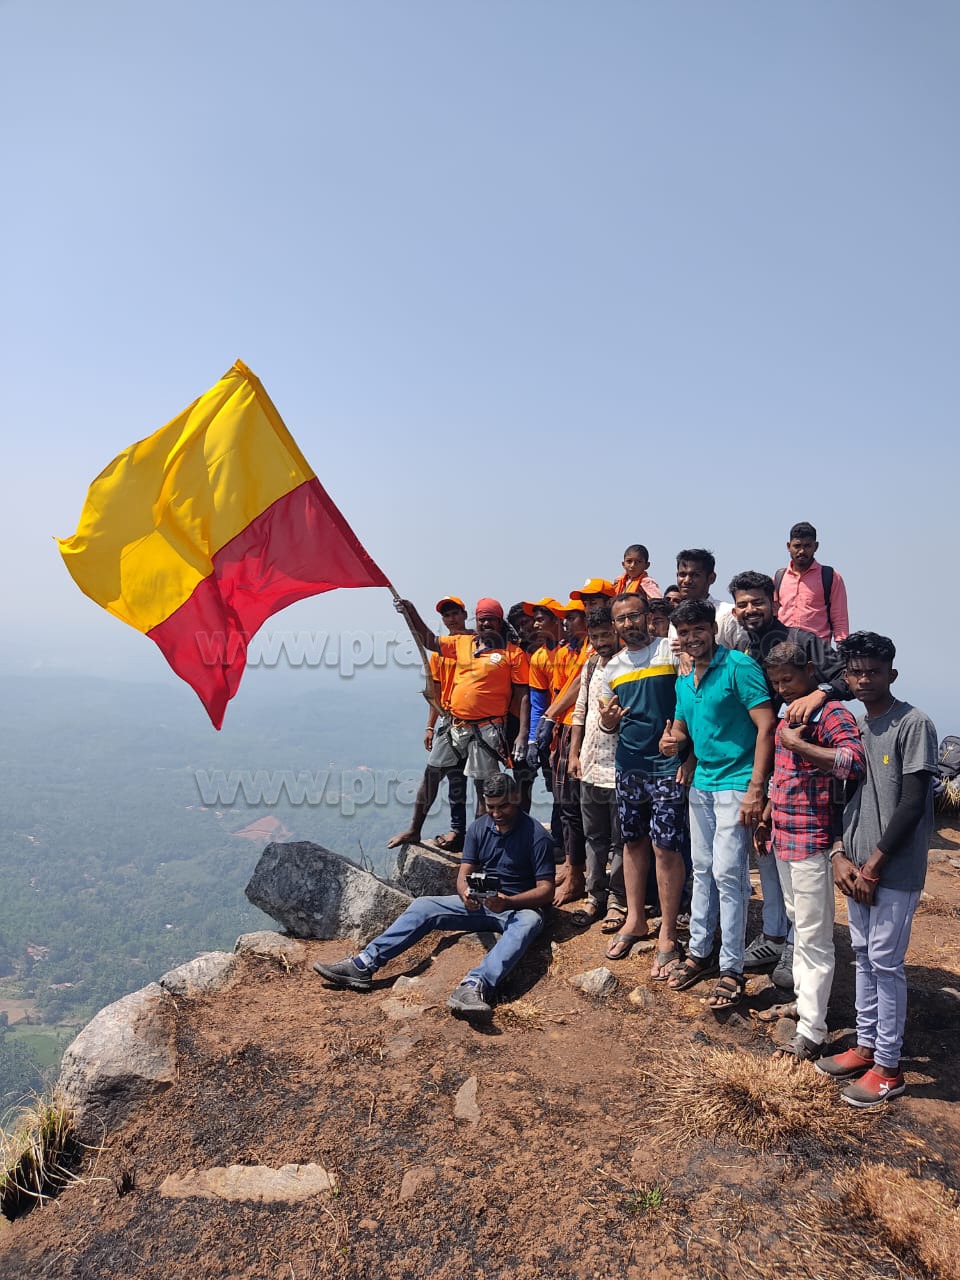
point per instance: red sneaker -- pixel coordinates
(844, 1066)
(872, 1089)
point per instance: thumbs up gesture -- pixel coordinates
(670, 740)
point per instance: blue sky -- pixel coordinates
(527, 281)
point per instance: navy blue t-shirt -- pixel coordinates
(520, 857)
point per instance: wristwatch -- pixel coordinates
(825, 688)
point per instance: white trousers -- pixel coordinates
(808, 894)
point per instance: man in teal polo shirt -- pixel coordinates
(724, 713)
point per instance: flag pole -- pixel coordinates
(430, 687)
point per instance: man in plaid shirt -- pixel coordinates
(813, 764)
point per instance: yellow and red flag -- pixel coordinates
(196, 535)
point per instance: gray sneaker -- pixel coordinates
(762, 953)
(782, 975)
(467, 1001)
(346, 974)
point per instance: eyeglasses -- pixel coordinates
(630, 617)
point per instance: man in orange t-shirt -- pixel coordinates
(571, 654)
(454, 614)
(489, 675)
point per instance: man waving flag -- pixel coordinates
(196, 535)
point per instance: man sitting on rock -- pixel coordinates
(517, 851)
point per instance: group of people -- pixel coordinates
(677, 733)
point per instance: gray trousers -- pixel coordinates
(601, 831)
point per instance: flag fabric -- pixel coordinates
(196, 535)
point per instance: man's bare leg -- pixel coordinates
(671, 877)
(571, 884)
(636, 866)
(427, 792)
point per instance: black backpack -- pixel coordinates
(948, 765)
(826, 577)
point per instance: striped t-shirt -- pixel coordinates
(644, 681)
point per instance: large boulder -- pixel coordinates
(124, 1055)
(211, 971)
(313, 893)
(424, 870)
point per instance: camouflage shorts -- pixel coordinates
(654, 807)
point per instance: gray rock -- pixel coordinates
(406, 983)
(642, 998)
(398, 1010)
(123, 1056)
(421, 1175)
(465, 1103)
(938, 855)
(273, 945)
(257, 1182)
(426, 871)
(595, 982)
(211, 971)
(314, 893)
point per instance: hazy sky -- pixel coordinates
(528, 281)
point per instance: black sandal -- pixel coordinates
(729, 990)
(691, 971)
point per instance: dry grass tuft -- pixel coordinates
(36, 1156)
(520, 1013)
(913, 1215)
(948, 800)
(761, 1103)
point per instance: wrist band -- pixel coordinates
(869, 879)
(834, 852)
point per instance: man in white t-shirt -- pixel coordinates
(696, 574)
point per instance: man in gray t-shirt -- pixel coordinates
(900, 742)
(880, 866)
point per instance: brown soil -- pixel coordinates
(569, 1170)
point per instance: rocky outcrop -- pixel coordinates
(422, 870)
(126, 1054)
(272, 945)
(128, 1051)
(313, 893)
(211, 971)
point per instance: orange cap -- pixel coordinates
(594, 587)
(444, 600)
(548, 603)
(574, 606)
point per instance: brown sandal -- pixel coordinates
(729, 990)
(613, 921)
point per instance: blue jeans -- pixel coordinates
(879, 936)
(776, 923)
(517, 928)
(720, 848)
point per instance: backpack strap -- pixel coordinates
(591, 668)
(826, 578)
(777, 579)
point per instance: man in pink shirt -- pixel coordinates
(810, 594)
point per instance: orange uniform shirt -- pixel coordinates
(541, 668)
(651, 589)
(442, 670)
(567, 665)
(482, 685)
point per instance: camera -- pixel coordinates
(483, 884)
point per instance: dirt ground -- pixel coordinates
(583, 1157)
